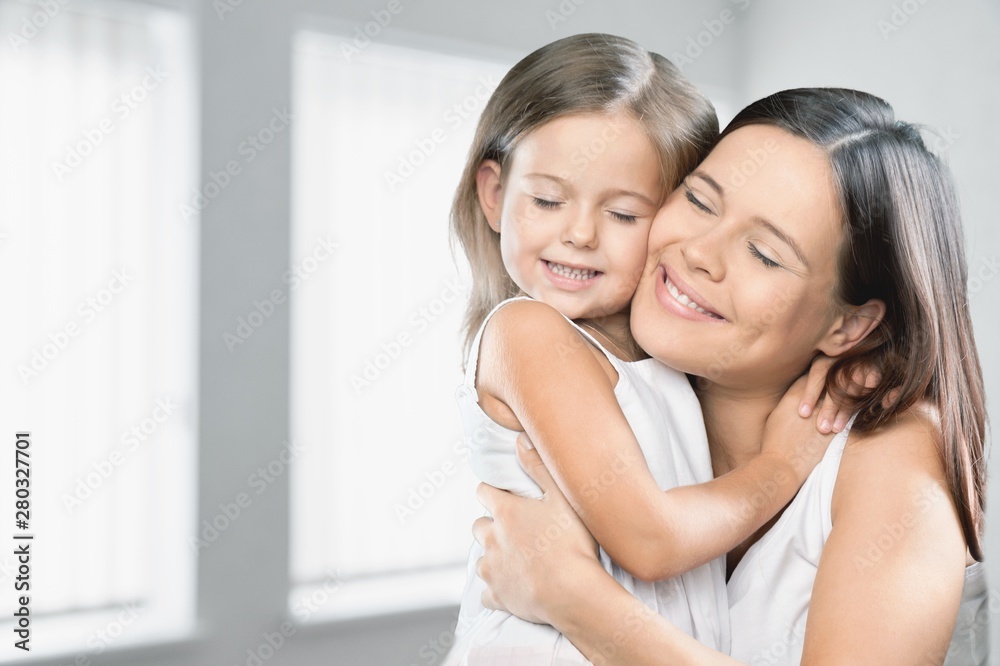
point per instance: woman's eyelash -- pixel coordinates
(770, 263)
(623, 217)
(694, 200)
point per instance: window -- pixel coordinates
(382, 497)
(100, 293)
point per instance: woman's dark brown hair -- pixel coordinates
(904, 246)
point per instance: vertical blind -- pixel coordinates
(381, 486)
(98, 270)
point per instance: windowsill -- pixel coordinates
(335, 601)
(58, 638)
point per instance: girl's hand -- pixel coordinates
(832, 417)
(532, 547)
(793, 437)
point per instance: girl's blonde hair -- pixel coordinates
(591, 73)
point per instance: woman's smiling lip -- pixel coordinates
(667, 280)
(566, 282)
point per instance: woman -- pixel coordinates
(818, 225)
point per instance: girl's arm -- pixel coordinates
(894, 607)
(537, 366)
(559, 581)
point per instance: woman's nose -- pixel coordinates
(703, 252)
(581, 231)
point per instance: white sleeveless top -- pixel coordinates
(770, 589)
(666, 417)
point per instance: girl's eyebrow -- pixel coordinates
(611, 192)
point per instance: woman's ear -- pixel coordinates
(852, 327)
(489, 187)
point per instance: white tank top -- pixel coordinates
(666, 417)
(770, 589)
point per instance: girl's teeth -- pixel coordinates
(572, 273)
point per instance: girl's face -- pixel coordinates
(574, 209)
(740, 285)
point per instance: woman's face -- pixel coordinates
(739, 286)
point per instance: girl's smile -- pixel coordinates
(573, 208)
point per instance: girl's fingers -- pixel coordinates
(815, 383)
(840, 421)
(827, 419)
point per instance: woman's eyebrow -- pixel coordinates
(711, 182)
(767, 224)
(758, 220)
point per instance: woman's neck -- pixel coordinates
(734, 422)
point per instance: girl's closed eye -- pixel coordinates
(545, 203)
(767, 261)
(624, 217)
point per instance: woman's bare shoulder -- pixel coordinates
(899, 463)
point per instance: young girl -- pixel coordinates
(572, 157)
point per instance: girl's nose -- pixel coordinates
(581, 231)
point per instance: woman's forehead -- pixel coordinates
(762, 171)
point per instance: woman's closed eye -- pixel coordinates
(767, 261)
(696, 202)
